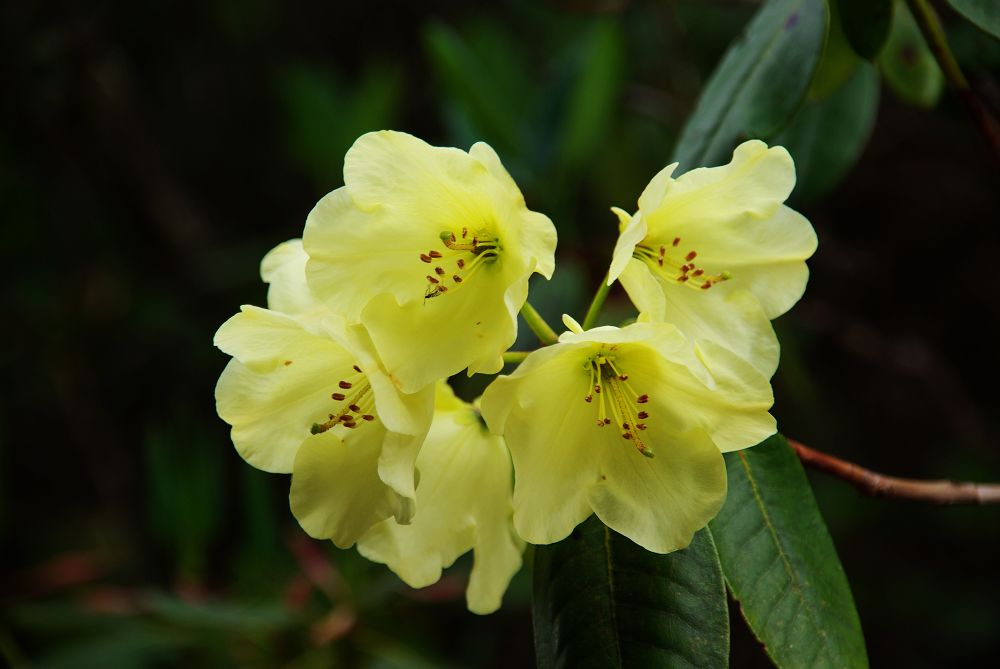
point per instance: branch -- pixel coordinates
(933, 33)
(880, 485)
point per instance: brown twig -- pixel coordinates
(880, 485)
(933, 33)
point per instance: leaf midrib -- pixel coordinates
(792, 576)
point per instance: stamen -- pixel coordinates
(677, 240)
(439, 271)
(345, 384)
(340, 397)
(425, 257)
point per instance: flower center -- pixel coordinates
(613, 392)
(682, 269)
(464, 253)
(355, 403)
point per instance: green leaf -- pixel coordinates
(866, 24)
(984, 13)
(760, 83)
(781, 565)
(827, 137)
(476, 84)
(591, 102)
(602, 601)
(837, 64)
(907, 64)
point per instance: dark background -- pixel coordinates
(152, 152)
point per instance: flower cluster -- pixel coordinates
(416, 269)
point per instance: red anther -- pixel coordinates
(368, 417)
(607, 421)
(442, 289)
(432, 279)
(354, 407)
(685, 268)
(623, 377)
(461, 263)
(439, 271)
(465, 232)
(659, 262)
(425, 257)
(356, 368)
(600, 423)
(434, 254)
(691, 255)
(340, 397)
(588, 398)
(682, 278)
(677, 240)
(642, 414)
(663, 250)
(699, 272)
(626, 435)
(706, 285)
(625, 426)
(457, 279)
(597, 387)
(642, 399)
(345, 384)
(640, 426)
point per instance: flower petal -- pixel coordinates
(542, 414)
(277, 386)
(284, 268)
(660, 502)
(725, 314)
(336, 493)
(633, 233)
(464, 502)
(468, 327)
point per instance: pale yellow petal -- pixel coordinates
(355, 255)
(634, 232)
(754, 183)
(284, 269)
(336, 492)
(464, 502)
(657, 188)
(469, 327)
(277, 386)
(542, 413)
(644, 290)
(660, 502)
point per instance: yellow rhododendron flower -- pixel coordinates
(613, 421)
(463, 503)
(307, 395)
(431, 249)
(717, 253)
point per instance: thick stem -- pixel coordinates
(514, 357)
(546, 335)
(933, 33)
(595, 305)
(880, 485)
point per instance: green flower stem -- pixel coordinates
(595, 305)
(514, 357)
(933, 33)
(542, 330)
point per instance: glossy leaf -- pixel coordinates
(827, 137)
(984, 13)
(781, 565)
(866, 24)
(759, 85)
(907, 64)
(601, 601)
(838, 62)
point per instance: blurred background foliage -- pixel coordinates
(152, 152)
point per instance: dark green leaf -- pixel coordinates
(760, 83)
(984, 13)
(836, 65)
(827, 137)
(866, 24)
(476, 85)
(601, 601)
(907, 64)
(781, 565)
(591, 103)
